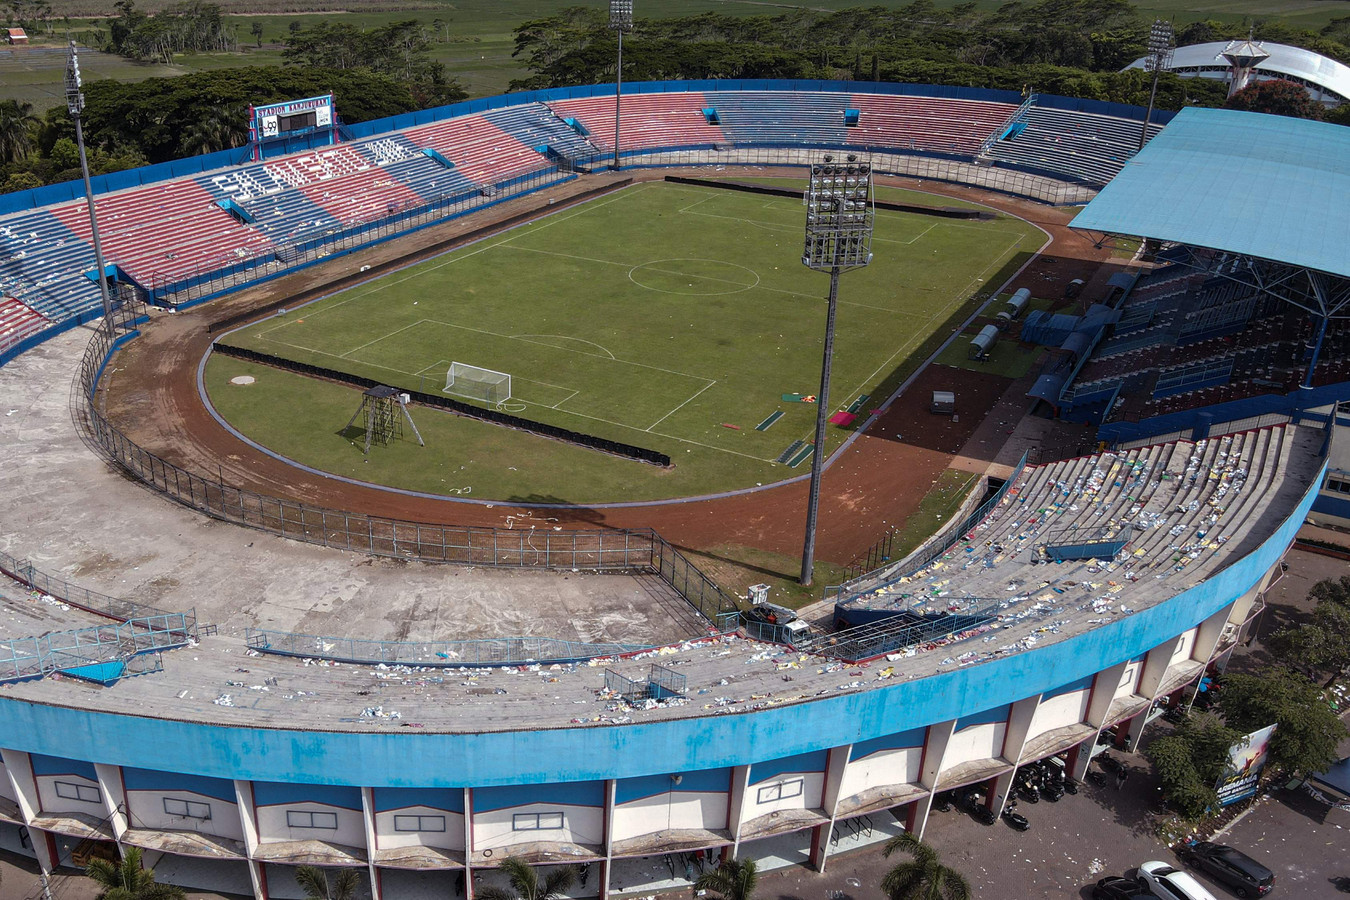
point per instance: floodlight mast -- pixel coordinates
(621, 20)
(839, 218)
(1159, 58)
(75, 104)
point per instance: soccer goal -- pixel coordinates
(476, 383)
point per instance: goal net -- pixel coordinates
(477, 383)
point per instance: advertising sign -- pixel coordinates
(1246, 759)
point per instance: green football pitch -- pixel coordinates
(666, 316)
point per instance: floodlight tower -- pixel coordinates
(75, 103)
(1244, 57)
(621, 20)
(1159, 58)
(839, 214)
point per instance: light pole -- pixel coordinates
(1159, 58)
(621, 20)
(75, 103)
(839, 215)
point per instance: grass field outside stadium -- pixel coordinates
(670, 317)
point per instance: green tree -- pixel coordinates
(17, 127)
(127, 880)
(20, 181)
(733, 879)
(256, 29)
(314, 882)
(1276, 97)
(1320, 646)
(922, 878)
(1190, 761)
(526, 884)
(219, 128)
(1308, 728)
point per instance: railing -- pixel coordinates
(1216, 429)
(912, 563)
(899, 161)
(1011, 121)
(35, 657)
(432, 654)
(659, 684)
(602, 550)
(22, 571)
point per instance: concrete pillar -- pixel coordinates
(1104, 689)
(835, 764)
(372, 840)
(248, 819)
(19, 769)
(611, 796)
(1021, 715)
(114, 795)
(930, 768)
(740, 783)
(468, 845)
(999, 794)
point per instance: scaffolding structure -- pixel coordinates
(384, 410)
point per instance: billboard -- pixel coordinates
(276, 120)
(1246, 759)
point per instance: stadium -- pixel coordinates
(243, 662)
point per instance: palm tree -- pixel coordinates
(923, 878)
(314, 882)
(16, 130)
(128, 881)
(525, 883)
(734, 879)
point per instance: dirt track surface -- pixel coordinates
(150, 391)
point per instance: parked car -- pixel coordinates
(1114, 887)
(1246, 876)
(1170, 883)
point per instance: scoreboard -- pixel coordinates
(277, 120)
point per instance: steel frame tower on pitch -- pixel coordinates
(1159, 58)
(384, 410)
(621, 20)
(75, 104)
(839, 219)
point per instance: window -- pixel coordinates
(419, 823)
(1337, 485)
(84, 793)
(782, 790)
(536, 821)
(297, 819)
(186, 809)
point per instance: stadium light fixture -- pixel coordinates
(839, 219)
(621, 20)
(1159, 58)
(75, 104)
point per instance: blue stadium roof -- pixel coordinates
(1266, 186)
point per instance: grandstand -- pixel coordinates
(340, 717)
(177, 235)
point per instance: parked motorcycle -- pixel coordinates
(1015, 820)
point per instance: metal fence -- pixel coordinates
(601, 550)
(885, 161)
(660, 683)
(35, 657)
(433, 654)
(22, 571)
(1216, 429)
(949, 538)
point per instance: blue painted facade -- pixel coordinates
(388, 799)
(905, 740)
(707, 781)
(134, 779)
(271, 793)
(56, 765)
(583, 793)
(630, 751)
